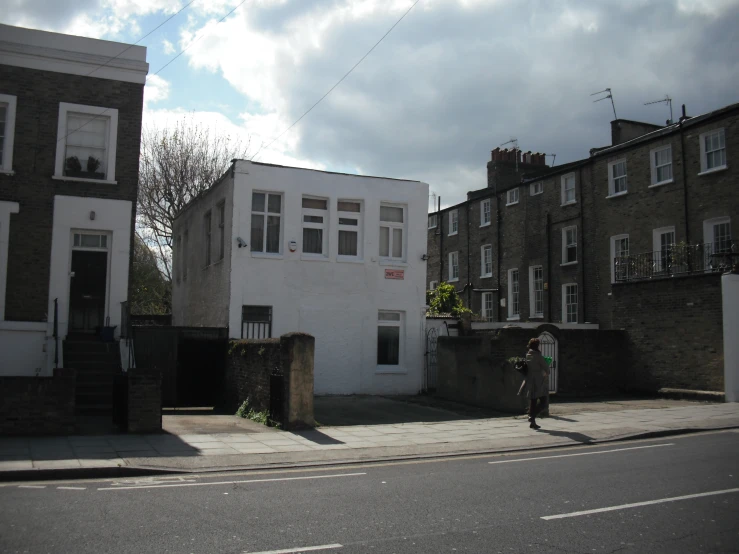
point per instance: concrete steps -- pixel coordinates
(96, 363)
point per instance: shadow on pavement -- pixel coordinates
(559, 418)
(317, 437)
(577, 437)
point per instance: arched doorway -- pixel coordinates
(549, 347)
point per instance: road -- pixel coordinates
(670, 495)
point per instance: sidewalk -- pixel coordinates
(120, 455)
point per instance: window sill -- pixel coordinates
(660, 184)
(453, 234)
(313, 258)
(567, 263)
(616, 195)
(511, 204)
(6, 171)
(389, 370)
(514, 318)
(488, 276)
(536, 193)
(453, 280)
(347, 260)
(570, 203)
(536, 317)
(389, 261)
(431, 228)
(267, 256)
(83, 180)
(713, 170)
(485, 224)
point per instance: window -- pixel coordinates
(536, 291)
(315, 226)
(256, 322)
(206, 236)
(486, 261)
(619, 258)
(266, 208)
(569, 245)
(350, 228)
(536, 188)
(661, 165)
(512, 196)
(487, 306)
(453, 266)
(453, 222)
(432, 285)
(568, 189)
(389, 327)
(178, 248)
(432, 221)
(664, 239)
(221, 230)
(569, 303)
(86, 143)
(392, 226)
(514, 308)
(185, 249)
(717, 236)
(7, 131)
(713, 151)
(617, 178)
(485, 212)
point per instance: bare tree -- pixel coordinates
(176, 165)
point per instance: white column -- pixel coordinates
(730, 294)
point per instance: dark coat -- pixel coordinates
(537, 375)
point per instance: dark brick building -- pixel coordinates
(70, 128)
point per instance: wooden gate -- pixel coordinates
(550, 348)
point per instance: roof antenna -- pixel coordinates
(666, 100)
(609, 95)
(514, 142)
(554, 157)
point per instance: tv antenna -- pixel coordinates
(609, 95)
(666, 100)
(554, 157)
(514, 142)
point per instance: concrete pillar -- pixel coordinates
(730, 295)
(297, 352)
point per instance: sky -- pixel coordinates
(453, 80)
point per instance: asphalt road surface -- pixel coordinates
(670, 495)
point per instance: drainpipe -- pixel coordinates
(440, 227)
(497, 247)
(549, 267)
(469, 275)
(582, 254)
(685, 176)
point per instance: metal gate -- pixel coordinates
(549, 347)
(431, 371)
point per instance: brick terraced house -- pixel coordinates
(633, 237)
(70, 128)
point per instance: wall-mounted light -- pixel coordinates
(240, 242)
(92, 216)
(424, 257)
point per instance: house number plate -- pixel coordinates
(395, 274)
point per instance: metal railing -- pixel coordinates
(676, 259)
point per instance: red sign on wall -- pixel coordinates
(395, 274)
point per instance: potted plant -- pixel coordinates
(72, 167)
(92, 168)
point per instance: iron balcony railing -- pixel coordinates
(676, 259)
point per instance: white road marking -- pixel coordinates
(638, 504)
(72, 488)
(303, 549)
(31, 486)
(583, 453)
(230, 482)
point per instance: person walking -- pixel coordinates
(537, 382)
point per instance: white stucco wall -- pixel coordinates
(73, 213)
(730, 295)
(23, 348)
(335, 301)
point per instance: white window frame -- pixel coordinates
(654, 167)
(394, 225)
(483, 212)
(433, 285)
(509, 196)
(400, 323)
(704, 155)
(208, 238)
(453, 222)
(657, 246)
(266, 213)
(536, 188)
(514, 294)
(708, 234)
(565, 304)
(565, 245)
(6, 209)
(612, 182)
(533, 312)
(483, 261)
(359, 228)
(185, 247)
(324, 226)
(487, 306)
(563, 184)
(612, 259)
(453, 265)
(221, 207)
(110, 144)
(6, 163)
(432, 221)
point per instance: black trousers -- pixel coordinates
(536, 406)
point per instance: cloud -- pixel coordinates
(168, 47)
(156, 90)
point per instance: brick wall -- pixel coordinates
(674, 329)
(144, 401)
(38, 405)
(38, 96)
